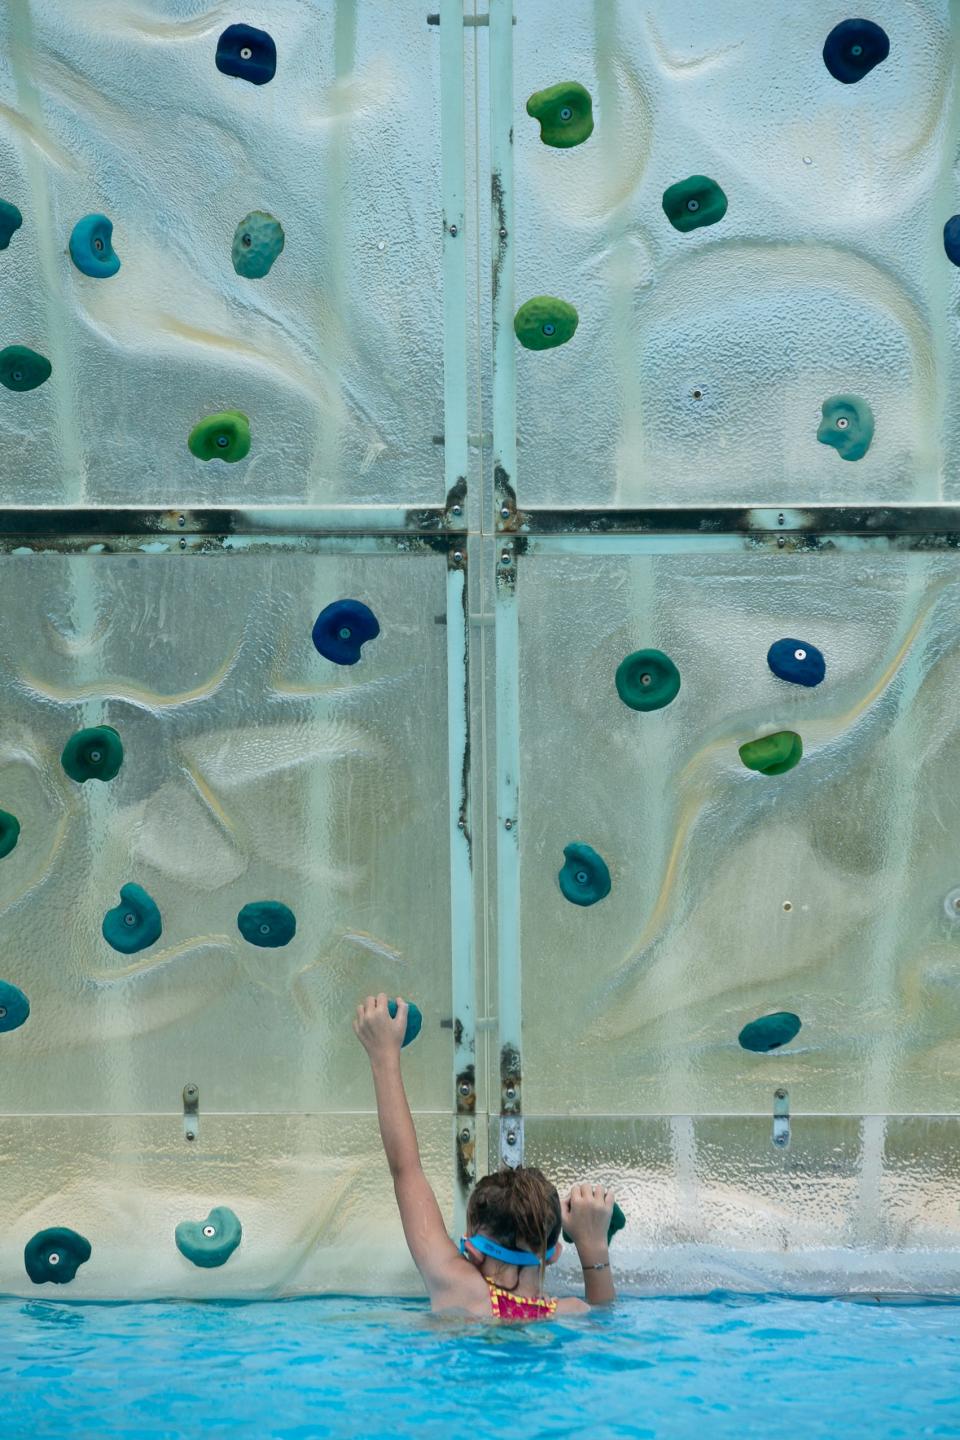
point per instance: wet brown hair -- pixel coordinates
(519, 1209)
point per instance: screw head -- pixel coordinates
(456, 509)
(464, 1136)
(453, 231)
(504, 512)
(458, 557)
(190, 1135)
(505, 557)
(508, 824)
(464, 1088)
(511, 1137)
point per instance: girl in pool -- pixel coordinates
(514, 1217)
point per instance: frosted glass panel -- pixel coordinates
(253, 770)
(118, 107)
(821, 891)
(702, 359)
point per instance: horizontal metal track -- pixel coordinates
(877, 520)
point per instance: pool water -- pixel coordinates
(728, 1365)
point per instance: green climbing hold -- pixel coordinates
(209, 1243)
(9, 832)
(224, 436)
(847, 425)
(135, 923)
(55, 1255)
(693, 202)
(22, 368)
(647, 680)
(770, 1032)
(545, 322)
(772, 754)
(617, 1222)
(10, 220)
(414, 1021)
(565, 112)
(257, 242)
(94, 754)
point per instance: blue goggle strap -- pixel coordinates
(500, 1252)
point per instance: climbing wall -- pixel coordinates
(544, 609)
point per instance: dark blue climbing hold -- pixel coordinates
(133, 924)
(414, 1021)
(14, 1006)
(584, 878)
(94, 754)
(796, 661)
(209, 1243)
(10, 220)
(9, 833)
(54, 1256)
(91, 247)
(951, 239)
(247, 53)
(770, 1032)
(267, 923)
(342, 629)
(617, 1221)
(853, 48)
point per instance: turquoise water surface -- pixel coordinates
(724, 1366)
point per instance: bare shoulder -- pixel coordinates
(572, 1306)
(462, 1289)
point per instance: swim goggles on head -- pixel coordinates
(500, 1252)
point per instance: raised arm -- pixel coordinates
(586, 1219)
(434, 1253)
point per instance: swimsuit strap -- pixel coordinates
(507, 1305)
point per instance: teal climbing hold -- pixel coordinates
(22, 368)
(209, 1243)
(55, 1255)
(224, 436)
(693, 202)
(268, 923)
(647, 680)
(414, 1021)
(94, 754)
(847, 425)
(257, 242)
(133, 924)
(565, 112)
(617, 1221)
(10, 220)
(14, 1006)
(9, 832)
(545, 322)
(91, 247)
(770, 1032)
(773, 754)
(584, 879)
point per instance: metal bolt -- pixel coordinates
(464, 1088)
(503, 232)
(779, 519)
(780, 1094)
(504, 512)
(456, 509)
(508, 824)
(464, 1136)
(780, 1139)
(458, 557)
(461, 824)
(505, 557)
(781, 541)
(510, 1091)
(181, 519)
(511, 1137)
(183, 543)
(190, 1134)
(453, 231)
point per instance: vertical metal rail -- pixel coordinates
(455, 455)
(505, 608)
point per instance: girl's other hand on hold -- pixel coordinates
(586, 1216)
(380, 1034)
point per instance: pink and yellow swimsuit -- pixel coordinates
(507, 1306)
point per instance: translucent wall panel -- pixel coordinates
(822, 891)
(253, 769)
(702, 358)
(335, 355)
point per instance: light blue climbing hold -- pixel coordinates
(10, 220)
(133, 924)
(268, 923)
(584, 878)
(91, 247)
(209, 1243)
(847, 425)
(770, 1032)
(414, 1021)
(14, 1006)
(257, 242)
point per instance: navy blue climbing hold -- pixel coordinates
(10, 220)
(796, 661)
(55, 1255)
(342, 629)
(91, 247)
(247, 53)
(414, 1021)
(770, 1032)
(584, 878)
(267, 923)
(853, 48)
(133, 924)
(951, 239)
(14, 1006)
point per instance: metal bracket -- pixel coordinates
(781, 1119)
(511, 1141)
(191, 1112)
